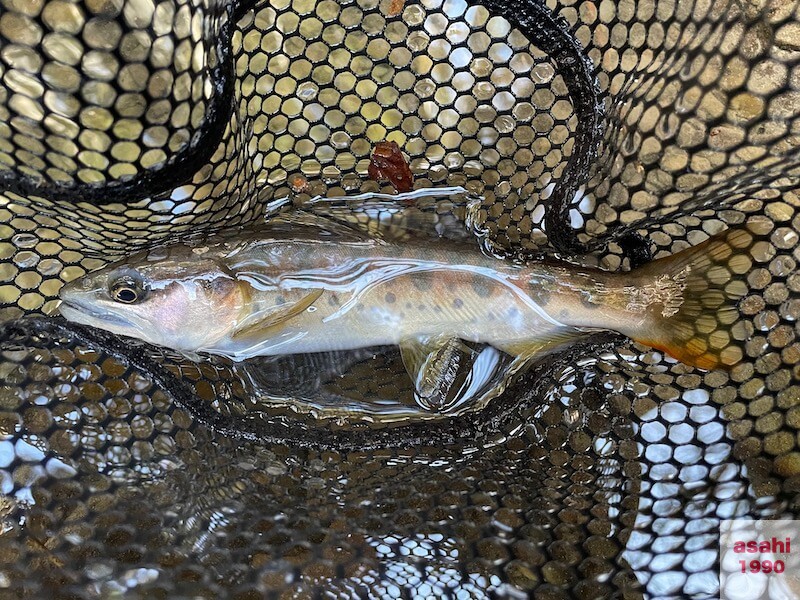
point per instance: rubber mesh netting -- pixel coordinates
(616, 130)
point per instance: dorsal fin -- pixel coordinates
(294, 221)
(431, 213)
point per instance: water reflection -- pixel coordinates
(372, 384)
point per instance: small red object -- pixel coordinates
(387, 162)
(298, 183)
(396, 7)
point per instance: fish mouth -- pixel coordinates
(83, 312)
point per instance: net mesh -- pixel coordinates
(615, 129)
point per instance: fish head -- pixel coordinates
(175, 298)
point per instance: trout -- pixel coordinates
(293, 287)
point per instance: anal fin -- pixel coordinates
(528, 349)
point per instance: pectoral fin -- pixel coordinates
(259, 326)
(433, 362)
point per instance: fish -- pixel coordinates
(304, 283)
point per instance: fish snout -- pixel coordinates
(78, 287)
(79, 293)
(70, 291)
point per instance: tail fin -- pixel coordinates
(696, 325)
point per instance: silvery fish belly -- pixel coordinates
(304, 284)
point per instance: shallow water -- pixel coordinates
(371, 385)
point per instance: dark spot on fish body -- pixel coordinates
(390, 298)
(423, 281)
(280, 300)
(409, 306)
(422, 307)
(458, 303)
(482, 287)
(333, 300)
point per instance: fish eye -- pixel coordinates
(127, 290)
